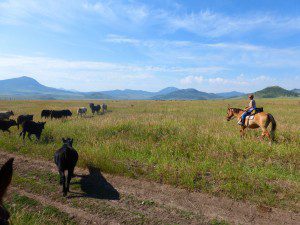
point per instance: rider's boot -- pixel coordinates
(241, 122)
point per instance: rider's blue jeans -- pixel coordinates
(248, 112)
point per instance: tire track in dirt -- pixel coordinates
(81, 216)
(174, 199)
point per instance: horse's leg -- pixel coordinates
(242, 132)
(264, 133)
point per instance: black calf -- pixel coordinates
(46, 113)
(66, 158)
(6, 124)
(57, 114)
(67, 113)
(95, 108)
(22, 118)
(6, 172)
(32, 127)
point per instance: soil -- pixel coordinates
(110, 199)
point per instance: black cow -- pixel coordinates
(6, 124)
(95, 108)
(22, 118)
(32, 127)
(67, 113)
(6, 172)
(46, 113)
(57, 114)
(66, 158)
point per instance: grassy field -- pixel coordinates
(25, 210)
(183, 143)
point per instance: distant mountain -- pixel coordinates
(129, 94)
(24, 84)
(275, 92)
(95, 95)
(186, 94)
(230, 94)
(296, 90)
(166, 90)
(28, 88)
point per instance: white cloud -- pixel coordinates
(53, 71)
(81, 75)
(121, 39)
(218, 80)
(134, 15)
(188, 80)
(241, 80)
(208, 23)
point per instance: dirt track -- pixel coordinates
(109, 199)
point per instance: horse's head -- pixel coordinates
(230, 114)
(6, 175)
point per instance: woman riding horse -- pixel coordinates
(248, 110)
(261, 120)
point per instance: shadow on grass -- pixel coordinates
(95, 186)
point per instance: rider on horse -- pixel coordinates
(248, 110)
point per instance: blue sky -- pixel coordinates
(210, 45)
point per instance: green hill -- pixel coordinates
(275, 92)
(186, 94)
(296, 90)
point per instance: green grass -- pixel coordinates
(25, 210)
(184, 143)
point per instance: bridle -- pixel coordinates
(231, 116)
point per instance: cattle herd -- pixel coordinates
(66, 157)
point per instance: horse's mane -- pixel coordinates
(236, 110)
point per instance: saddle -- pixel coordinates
(257, 110)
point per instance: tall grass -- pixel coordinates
(183, 143)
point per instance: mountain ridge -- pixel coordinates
(28, 88)
(275, 92)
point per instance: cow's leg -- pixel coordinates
(63, 181)
(70, 175)
(61, 176)
(24, 134)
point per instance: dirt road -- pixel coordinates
(107, 199)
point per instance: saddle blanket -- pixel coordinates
(250, 117)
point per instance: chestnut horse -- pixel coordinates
(5, 179)
(261, 120)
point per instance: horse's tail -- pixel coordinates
(273, 128)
